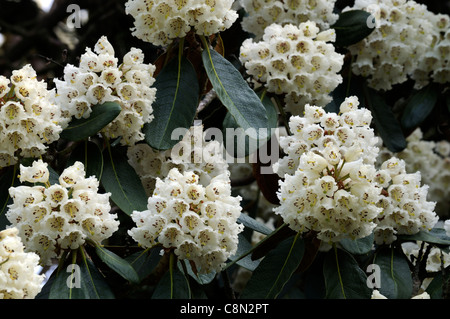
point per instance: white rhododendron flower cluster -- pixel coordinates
(100, 79)
(432, 160)
(347, 135)
(405, 208)
(262, 13)
(53, 218)
(198, 222)
(435, 64)
(192, 153)
(28, 118)
(295, 61)
(399, 45)
(160, 22)
(331, 185)
(18, 277)
(329, 181)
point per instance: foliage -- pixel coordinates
(201, 78)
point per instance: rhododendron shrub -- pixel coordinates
(219, 149)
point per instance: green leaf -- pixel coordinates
(271, 110)
(144, 262)
(386, 123)
(252, 223)
(435, 236)
(255, 252)
(434, 288)
(202, 279)
(275, 270)
(173, 284)
(243, 249)
(396, 281)
(91, 156)
(82, 281)
(243, 144)
(118, 264)
(358, 246)
(233, 91)
(177, 93)
(352, 26)
(419, 106)
(101, 115)
(344, 279)
(121, 180)
(53, 177)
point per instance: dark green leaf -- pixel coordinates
(121, 180)
(244, 248)
(118, 264)
(271, 241)
(91, 156)
(352, 26)
(233, 91)
(243, 144)
(434, 289)
(82, 281)
(144, 262)
(252, 223)
(275, 270)
(101, 115)
(386, 124)
(53, 177)
(435, 236)
(344, 279)
(202, 279)
(419, 106)
(173, 284)
(396, 280)
(358, 246)
(261, 249)
(176, 103)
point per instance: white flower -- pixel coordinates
(329, 136)
(260, 14)
(329, 182)
(423, 295)
(294, 60)
(408, 41)
(37, 173)
(99, 79)
(29, 119)
(18, 277)
(377, 295)
(197, 222)
(56, 217)
(160, 22)
(193, 152)
(405, 208)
